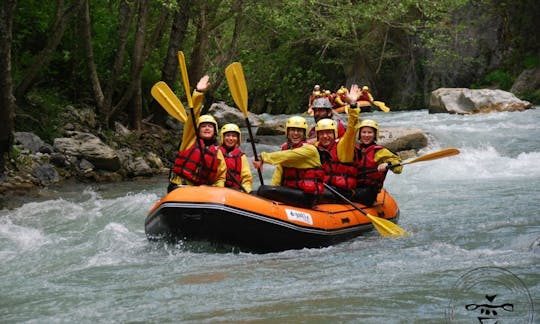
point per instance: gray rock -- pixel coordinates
(402, 139)
(46, 174)
(467, 101)
(527, 81)
(139, 167)
(29, 141)
(225, 114)
(90, 147)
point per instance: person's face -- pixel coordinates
(367, 135)
(206, 131)
(319, 113)
(326, 137)
(295, 135)
(230, 139)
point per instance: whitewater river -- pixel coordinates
(473, 249)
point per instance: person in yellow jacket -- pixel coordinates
(373, 162)
(337, 153)
(199, 161)
(298, 165)
(238, 172)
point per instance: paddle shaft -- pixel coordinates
(427, 157)
(254, 150)
(335, 192)
(382, 225)
(236, 181)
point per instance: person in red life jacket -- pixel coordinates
(370, 156)
(322, 108)
(340, 102)
(198, 161)
(202, 163)
(314, 95)
(337, 154)
(298, 165)
(365, 99)
(238, 171)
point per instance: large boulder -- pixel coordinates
(225, 114)
(399, 139)
(471, 101)
(90, 147)
(527, 82)
(29, 141)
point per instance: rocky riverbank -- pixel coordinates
(87, 154)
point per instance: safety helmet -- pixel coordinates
(327, 123)
(342, 90)
(365, 88)
(296, 122)
(369, 123)
(207, 119)
(322, 103)
(230, 128)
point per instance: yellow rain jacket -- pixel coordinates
(188, 139)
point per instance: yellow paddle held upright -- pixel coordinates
(237, 84)
(185, 78)
(169, 101)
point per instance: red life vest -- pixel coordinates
(233, 159)
(310, 181)
(337, 174)
(198, 163)
(364, 160)
(364, 95)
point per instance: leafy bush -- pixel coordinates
(501, 79)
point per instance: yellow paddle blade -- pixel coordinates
(168, 100)
(382, 106)
(240, 78)
(237, 85)
(185, 78)
(435, 155)
(386, 227)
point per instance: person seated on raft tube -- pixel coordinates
(372, 162)
(238, 172)
(322, 108)
(314, 95)
(298, 177)
(337, 154)
(199, 161)
(340, 103)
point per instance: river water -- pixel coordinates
(473, 219)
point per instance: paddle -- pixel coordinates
(383, 226)
(237, 85)
(169, 101)
(185, 78)
(381, 105)
(427, 157)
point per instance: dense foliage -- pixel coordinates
(401, 49)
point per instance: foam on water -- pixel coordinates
(84, 257)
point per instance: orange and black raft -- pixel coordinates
(256, 224)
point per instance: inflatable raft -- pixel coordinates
(365, 106)
(256, 224)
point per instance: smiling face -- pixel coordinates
(230, 139)
(326, 137)
(295, 135)
(206, 131)
(367, 135)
